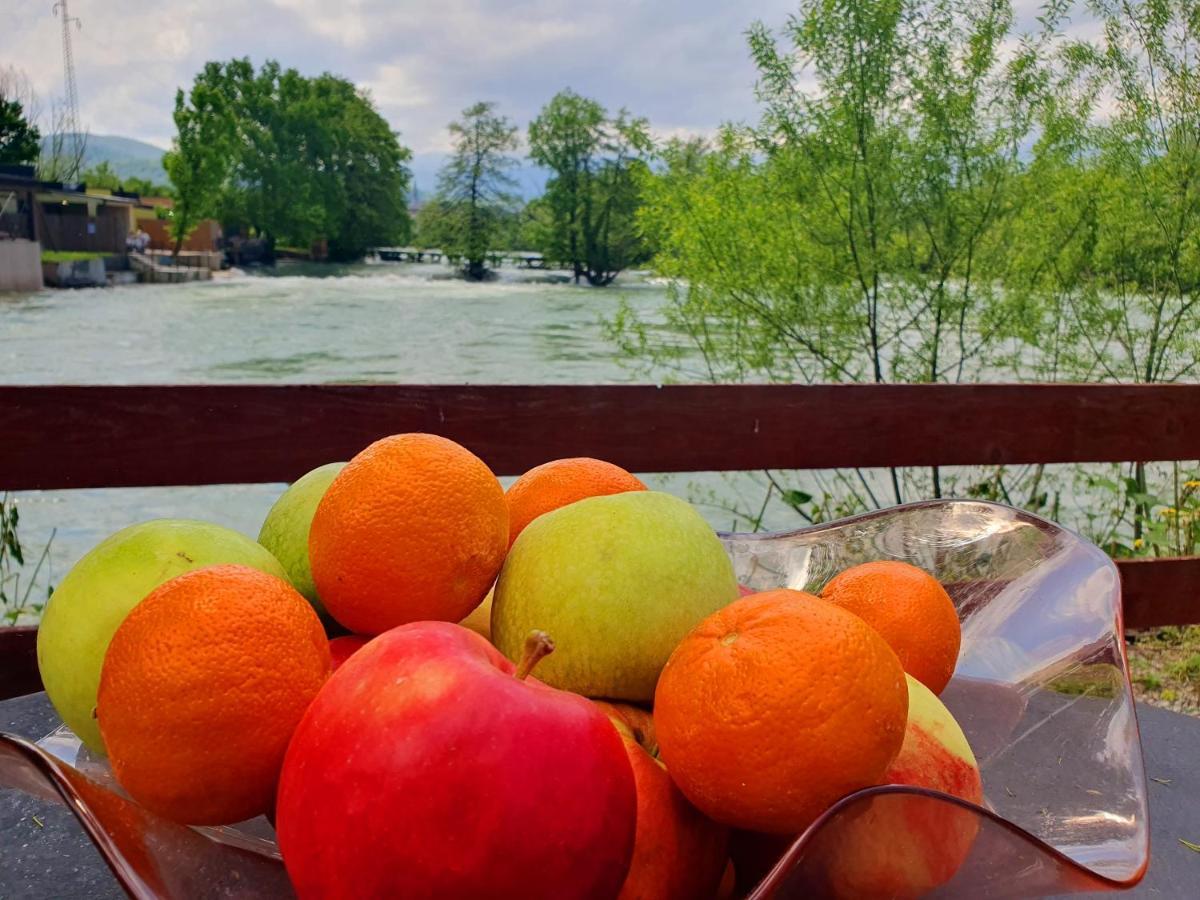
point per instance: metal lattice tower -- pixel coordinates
(72, 115)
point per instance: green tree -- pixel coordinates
(592, 196)
(144, 187)
(1110, 256)
(199, 160)
(302, 159)
(101, 175)
(474, 187)
(20, 141)
(860, 231)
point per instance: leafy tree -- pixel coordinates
(1110, 254)
(474, 186)
(1115, 238)
(592, 197)
(101, 175)
(859, 231)
(199, 160)
(20, 141)
(290, 158)
(144, 187)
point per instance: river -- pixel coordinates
(365, 323)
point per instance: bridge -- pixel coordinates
(496, 259)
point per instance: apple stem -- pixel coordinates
(538, 646)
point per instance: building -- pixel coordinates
(38, 216)
(20, 251)
(75, 220)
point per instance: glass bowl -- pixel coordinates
(1041, 691)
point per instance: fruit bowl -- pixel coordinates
(1041, 691)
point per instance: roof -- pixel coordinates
(55, 195)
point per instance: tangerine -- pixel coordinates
(202, 686)
(414, 528)
(555, 484)
(775, 707)
(910, 609)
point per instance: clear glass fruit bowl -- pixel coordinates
(1041, 691)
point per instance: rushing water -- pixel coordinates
(386, 323)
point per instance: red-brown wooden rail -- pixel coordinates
(125, 436)
(108, 436)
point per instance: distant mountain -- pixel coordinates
(127, 157)
(131, 158)
(531, 180)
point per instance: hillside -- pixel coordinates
(129, 158)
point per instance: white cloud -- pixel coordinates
(681, 63)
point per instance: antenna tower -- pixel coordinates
(71, 122)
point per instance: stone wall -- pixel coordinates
(77, 273)
(20, 265)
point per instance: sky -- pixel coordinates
(681, 63)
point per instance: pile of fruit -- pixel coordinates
(557, 691)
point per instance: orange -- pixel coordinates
(202, 686)
(414, 528)
(775, 707)
(910, 609)
(554, 484)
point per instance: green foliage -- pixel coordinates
(858, 231)
(929, 196)
(15, 602)
(200, 158)
(592, 197)
(102, 175)
(474, 188)
(289, 158)
(1111, 255)
(20, 140)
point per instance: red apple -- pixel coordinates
(895, 846)
(679, 853)
(427, 766)
(342, 648)
(638, 720)
(902, 846)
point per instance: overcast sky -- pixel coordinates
(682, 63)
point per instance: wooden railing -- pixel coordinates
(121, 436)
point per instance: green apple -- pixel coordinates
(108, 582)
(616, 581)
(285, 530)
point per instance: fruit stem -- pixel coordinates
(538, 646)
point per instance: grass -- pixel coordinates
(1100, 680)
(61, 256)
(1164, 666)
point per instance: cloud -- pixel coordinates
(681, 63)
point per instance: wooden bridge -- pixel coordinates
(519, 259)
